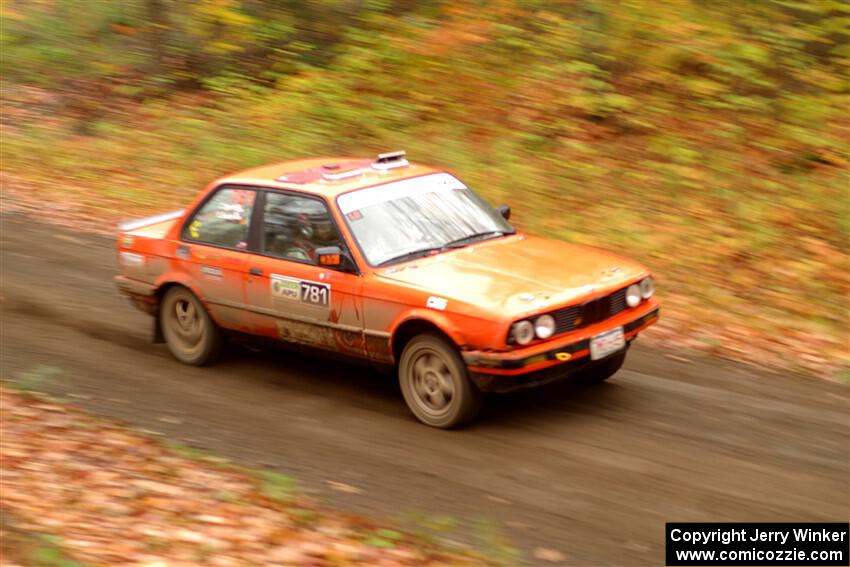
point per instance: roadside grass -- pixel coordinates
(20, 546)
(751, 258)
(36, 379)
(281, 488)
(495, 544)
(383, 538)
(48, 552)
(274, 485)
(194, 453)
(277, 486)
(488, 537)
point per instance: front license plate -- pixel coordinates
(606, 343)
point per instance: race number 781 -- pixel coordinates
(315, 293)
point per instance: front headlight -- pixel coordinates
(544, 326)
(522, 332)
(633, 295)
(647, 287)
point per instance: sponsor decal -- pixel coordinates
(127, 241)
(194, 228)
(183, 252)
(438, 303)
(231, 212)
(305, 291)
(563, 356)
(130, 259)
(212, 272)
(285, 288)
(354, 215)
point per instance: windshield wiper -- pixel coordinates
(470, 238)
(452, 244)
(411, 255)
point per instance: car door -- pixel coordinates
(213, 252)
(293, 298)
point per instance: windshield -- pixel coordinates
(414, 217)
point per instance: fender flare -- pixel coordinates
(429, 316)
(185, 280)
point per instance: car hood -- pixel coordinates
(517, 274)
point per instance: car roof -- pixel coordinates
(329, 176)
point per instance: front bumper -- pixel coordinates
(497, 383)
(528, 366)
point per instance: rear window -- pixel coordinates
(223, 220)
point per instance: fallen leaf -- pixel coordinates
(343, 487)
(548, 555)
(170, 419)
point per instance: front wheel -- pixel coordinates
(190, 333)
(435, 384)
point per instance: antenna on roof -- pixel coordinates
(390, 160)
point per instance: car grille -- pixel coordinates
(594, 311)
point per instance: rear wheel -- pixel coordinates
(435, 383)
(602, 371)
(189, 332)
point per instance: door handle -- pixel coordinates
(255, 272)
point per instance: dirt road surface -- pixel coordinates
(592, 472)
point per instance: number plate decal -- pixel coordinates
(606, 343)
(315, 293)
(130, 259)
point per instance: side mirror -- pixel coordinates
(335, 257)
(330, 256)
(505, 211)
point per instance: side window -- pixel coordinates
(223, 220)
(294, 227)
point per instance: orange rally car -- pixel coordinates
(393, 262)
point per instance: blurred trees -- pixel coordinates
(706, 138)
(746, 49)
(627, 64)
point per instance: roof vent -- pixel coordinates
(390, 160)
(345, 174)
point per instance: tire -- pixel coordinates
(191, 335)
(435, 383)
(602, 371)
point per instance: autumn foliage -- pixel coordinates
(108, 495)
(707, 139)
